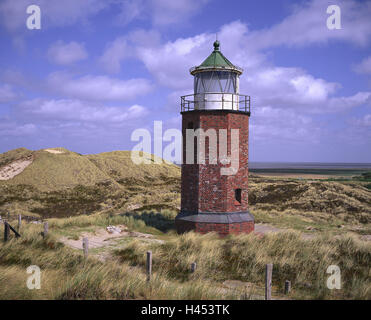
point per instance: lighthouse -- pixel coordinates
(215, 128)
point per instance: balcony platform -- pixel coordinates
(216, 101)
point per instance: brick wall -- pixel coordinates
(203, 187)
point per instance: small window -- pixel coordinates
(237, 195)
(190, 125)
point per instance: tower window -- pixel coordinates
(237, 195)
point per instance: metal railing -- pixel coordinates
(220, 101)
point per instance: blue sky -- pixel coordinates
(97, 70)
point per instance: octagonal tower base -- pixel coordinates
(221, 223)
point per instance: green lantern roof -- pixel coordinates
(216, 60)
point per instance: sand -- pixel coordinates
(16, 167)
(53, 151)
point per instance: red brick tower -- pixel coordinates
(215, 192)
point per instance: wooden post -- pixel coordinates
(149, 265)
(287, 286)
(46, 229)
(193, 267)
(6, 231)
(268, 281)
(85, 246)
(19, 222)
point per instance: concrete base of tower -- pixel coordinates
(224, 223)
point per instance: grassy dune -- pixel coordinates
(66, 275)
(67, 184)
(80, 194)
(301, 203)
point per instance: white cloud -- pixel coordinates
(170, 63)
(270, 123)
(66, 53)
(6, 93)
(287, 87)
(69, 12)
(76, 110)
(126, 47)
(131, 10)
(365, 121)
(114, 53)
(307, 26)
(98, 88)
(364, 66)
(54, 13)
(343, 103)
(14, 129)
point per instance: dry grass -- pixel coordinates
(66, 275)
(304, 262)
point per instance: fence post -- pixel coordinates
(19, 222)
(193, 267)
(85, 246)
(46, 229)
(149, 265)
(287, 286)
(6, 231)
(268, 281)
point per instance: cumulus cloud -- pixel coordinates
(365, 121)
(126, 46)
(170, 63)
(54, 13)
(6, 93)
(307, 26)
(114, 53)
(66, 53)
(364, 66)
(77, 110)
(98, 88)
(15, 129)
(287, 87)
(69, 12)
(270, 123)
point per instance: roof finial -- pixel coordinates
(216, 43)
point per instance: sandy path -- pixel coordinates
(101, 238)
(16, 167)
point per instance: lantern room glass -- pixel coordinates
(215, 81)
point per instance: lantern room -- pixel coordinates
(216, 85)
